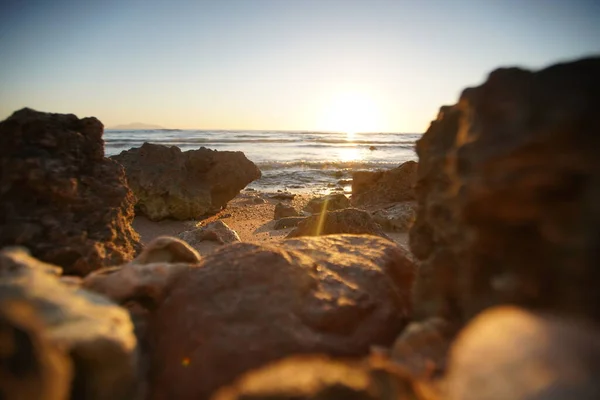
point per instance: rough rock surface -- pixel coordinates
(59, 196)
(509, 353)
(509, 195)
(217, 231)
(321, 378)
(398, 217)
(349, 220)
(394, 185)
(169, 183)
(58, 339)
(246, 305)
(284, 210)
(331, 202)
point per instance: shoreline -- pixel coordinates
(250, 214)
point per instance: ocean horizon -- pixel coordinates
(295, 161)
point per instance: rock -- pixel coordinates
(165, 249)
(323, 378)
(344, 182)
(169, 183)
(30, 366)
(283, 196)
(372, 148)
(64, 339)
(509, 353)
(332, 202)
(258, 200)
(423, 346)
(349, 220)
(217, 231)
(287, 222)
(509, 198)
(394, 185)
(59, 196)
(247, 304)
(398, 217)
(284, 210)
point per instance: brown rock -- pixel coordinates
(57, 338)
(509, 353)
(509, 205)
(246, 305)
(217, 231)
(284, 210)
(321, 378)
(350, 220)
(394, 185)
(169, 183)
(331, 202)
(59, 196)
(398, 217)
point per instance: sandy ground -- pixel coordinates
(250, 214)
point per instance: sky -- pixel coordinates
(364, 65)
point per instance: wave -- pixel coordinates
(324, 165)
(192, 141)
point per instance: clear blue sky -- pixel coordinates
(275, 64)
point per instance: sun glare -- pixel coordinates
(352, 112)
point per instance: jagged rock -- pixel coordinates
(288, 222)
(379, 187)
(217, 231)
(509, 198)
(509, 353)
(60, 339)
(284, 210)
(59, 196)
(169, 183)
(331, 202)
(398, 217)
(319, 377)
(349, 220)
(247, 304)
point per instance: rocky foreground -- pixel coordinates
(282, 296)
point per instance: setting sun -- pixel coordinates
(352, 112)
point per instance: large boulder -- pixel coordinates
(509, 353)
(169, 183)
(59, 196)
(509, 196)
(378, 187)
(349, 220)
(247, 304)
(59, 341)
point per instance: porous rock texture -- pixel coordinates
(169, 183)
(58, 341)
(389, 186)
(59, 196)
(247, 304)
(509, 196)
(349, 220)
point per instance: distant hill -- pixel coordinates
(134, 126)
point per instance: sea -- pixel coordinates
(294, 161)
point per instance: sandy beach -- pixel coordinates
(250, 214)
